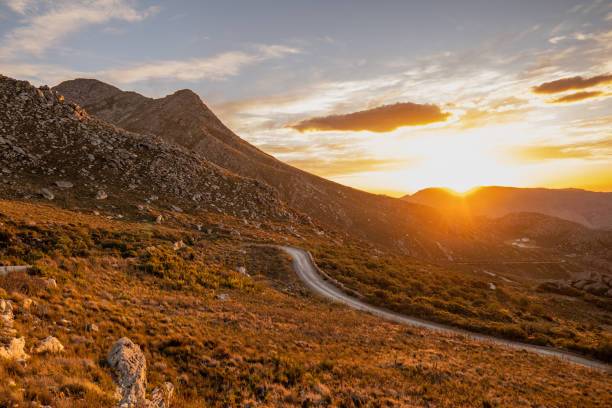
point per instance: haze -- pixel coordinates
(390, 97)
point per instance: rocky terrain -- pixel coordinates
(51, 148)
(143, 320)
(182, 118)
(131, 274)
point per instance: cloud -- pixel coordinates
(217, 67)
(591, 150)
(44, 24)
(384, 118)
(567, 84)
(346, 165)
(578, 96)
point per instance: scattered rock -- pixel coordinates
(161, 397)
(492, 286)
(46, 193)
(222, 296)
(101, 195)
(92, 327)
(242, 270)
(130, 367)
(51, 284)
(64, 184)
(6, 313)
(178, 245)
(159, 219)
(15, 350)
(26, 303)
(176, 208)
(49, 345)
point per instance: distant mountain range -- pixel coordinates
(591, 209)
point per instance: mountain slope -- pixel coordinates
(182, 118)
(49, 143)
(592, 209)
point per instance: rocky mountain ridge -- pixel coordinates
(182, 118)
(52, 147)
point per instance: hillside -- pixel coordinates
(592, 209)
(182, 118)
(52, 149)
(225, 339)
(129, 236)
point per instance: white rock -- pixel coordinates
(47, 193)
(130, 367)
(49, 345)
(101, 195)
(178, 245)
(64, 184)
(6, 313)
(15, 350)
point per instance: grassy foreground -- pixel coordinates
(269, 344)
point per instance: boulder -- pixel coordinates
(178, 245)
(161, 396)
(26, 303)
(49, 345)
(92, 327)
(6, 313)
(130, 368)
(176, 208)
(15, 350)
(222, 296)
(64, 184)
(46, 193)
(101, 195)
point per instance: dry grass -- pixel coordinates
(270, 344)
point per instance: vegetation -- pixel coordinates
(474, 299)
(269, 344)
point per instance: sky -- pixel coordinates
(386, 96)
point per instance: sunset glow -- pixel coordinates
(502, 95)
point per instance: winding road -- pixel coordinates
(307, 271)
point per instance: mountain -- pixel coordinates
(591, 209)
(182, 118)
(52, 147)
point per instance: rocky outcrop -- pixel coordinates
(15, 350)
(50, 345)
(53, 148)
(161, 397)
(130, 369)
(6, 313)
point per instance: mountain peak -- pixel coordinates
(87, 90)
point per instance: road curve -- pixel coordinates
(307, 271)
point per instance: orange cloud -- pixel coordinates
(380, 119)
(341, 166)
(578, 96)
(587, 150)
(567, 84)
